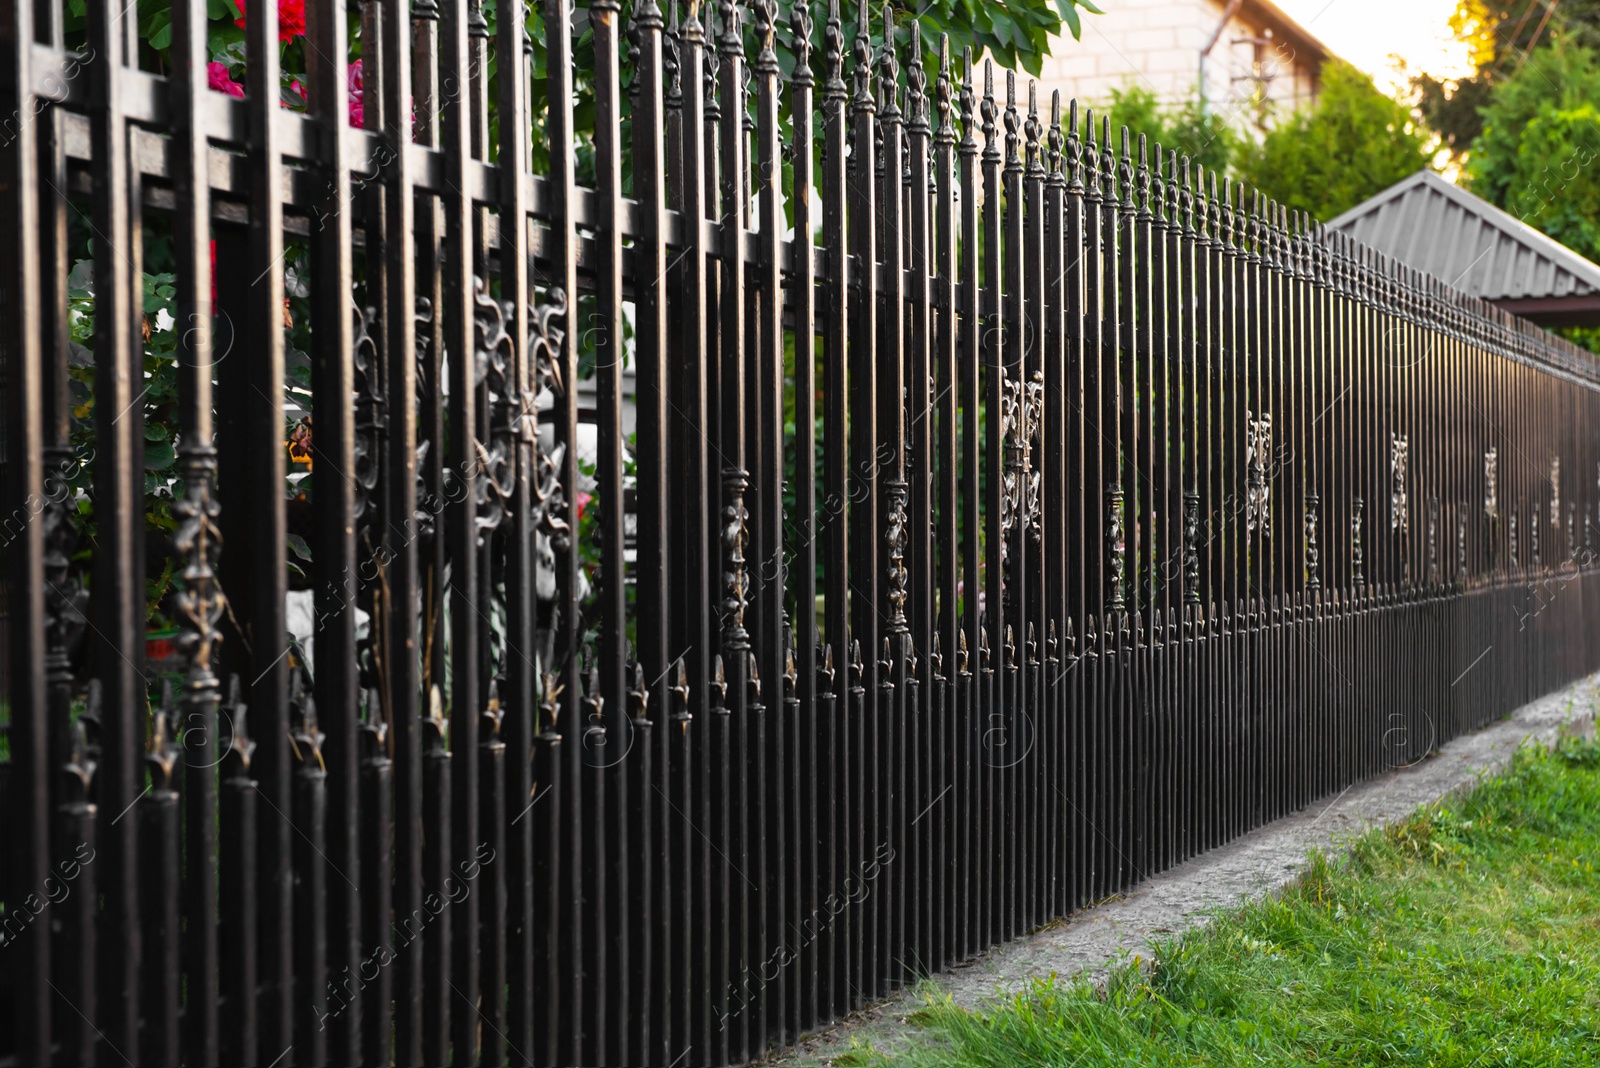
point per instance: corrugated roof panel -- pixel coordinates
(1432, 225)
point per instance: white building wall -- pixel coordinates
(1155, 44)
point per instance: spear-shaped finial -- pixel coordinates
(669, 56)
(1142, 178)
(969, 105)
(991, 141)
(862, 54)
(1013, 121)
(800, 32)
(1091, 155)
(916, 83)
(1056, 140)
(833, 54)
(890, 72)
(1125, 181)
(1108, 164)
(1186, 199)
(1074, 150)
(766, 14)
(1031, 130)
(942, 94)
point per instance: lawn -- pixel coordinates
(1468, 936)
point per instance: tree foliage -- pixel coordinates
(1187, 128)
(1353, 143)
(1541, 135)
(1503, 38)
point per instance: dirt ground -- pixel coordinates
(1186, 897)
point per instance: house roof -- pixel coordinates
(1271, 14)
(1428, 223)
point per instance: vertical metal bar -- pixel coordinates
(653, 559)
(991, 701)
(693, 583)
(890, 458)
(863, 488)
(117, 605)
(240, 1040)
(944, 459)
(772, 754)
(335, 553)
(920, 464)
(835, 945)
(603, 18)
(969, 358)
(465, 341)
(809, 826)
(730, 774)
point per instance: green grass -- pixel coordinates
(1468, 936)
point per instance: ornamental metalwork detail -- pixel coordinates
(735, 529)
(1555, 491)
(1491, 482)
(496, 369)
(1461, 544)
(1513, 539)
(1257, 448)
(1433, 540)
(197, 538)
(1116, 546)
(1313, 552)
(1020, 405)
(1358, 555)
(544, 347)
(1399, 512)
(895, 540)
(1191, 548)
(372, 416)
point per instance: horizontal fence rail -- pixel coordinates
(679, 522)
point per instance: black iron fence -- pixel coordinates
(636, 621)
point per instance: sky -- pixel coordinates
(1370, 34)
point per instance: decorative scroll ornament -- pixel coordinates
(427, 388)
(735, 526)
(1358, 555)
(895, 540)
(1313, 553)
(496, 368)
(1399, 514)
(1020, 405)
(1491, 482)
(64, 595)
(372, 417)
(201, 601)
(1116, 546)
(1257, 447)
(1555, 491)
(549, 498)
(1191, 548)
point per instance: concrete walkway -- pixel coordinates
(1188, 896)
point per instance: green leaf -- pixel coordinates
(159, 456)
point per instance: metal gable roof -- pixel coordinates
(1434, 226)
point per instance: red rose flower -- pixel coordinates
(291, 19)
(221, 79)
